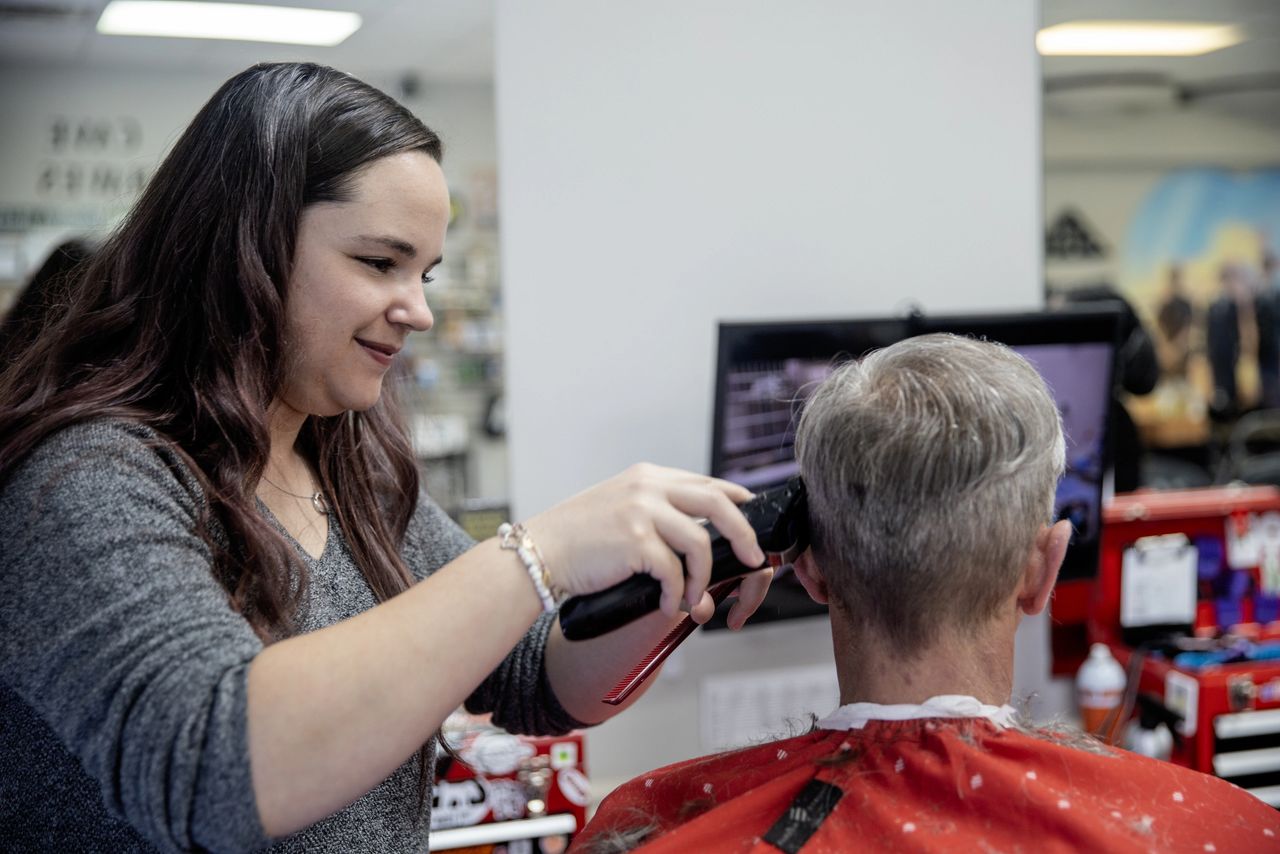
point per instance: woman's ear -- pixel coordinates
(811, 577)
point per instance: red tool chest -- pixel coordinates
(1231, 711)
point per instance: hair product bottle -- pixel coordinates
(1099, 687)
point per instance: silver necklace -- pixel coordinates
(316, 498)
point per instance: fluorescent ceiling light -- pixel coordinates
(1135, 38)
(240, 21)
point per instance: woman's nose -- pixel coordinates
(412, 311)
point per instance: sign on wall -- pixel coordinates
(92, 158)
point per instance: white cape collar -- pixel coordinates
(857, 715)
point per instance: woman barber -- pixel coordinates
(231, 619)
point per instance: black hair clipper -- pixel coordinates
(780, 518)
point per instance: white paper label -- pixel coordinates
(574, 786)
(1158, 582)
(1267, 533)
(564, 754)
(1182, 696)
(1243, 546)
(507, 799)
(496, 753)
(459, 804)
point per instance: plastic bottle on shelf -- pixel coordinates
(1099, 687)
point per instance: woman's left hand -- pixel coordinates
(750, 593)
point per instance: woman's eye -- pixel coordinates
(427, 278)
(382, 265)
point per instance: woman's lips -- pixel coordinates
(380, 353)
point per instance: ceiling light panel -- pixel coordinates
(237, 21)
(1135, 38)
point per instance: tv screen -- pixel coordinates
(765, 371)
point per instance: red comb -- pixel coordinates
(651, 662)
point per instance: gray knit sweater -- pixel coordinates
(122, 667)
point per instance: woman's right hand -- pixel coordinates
(641, 521)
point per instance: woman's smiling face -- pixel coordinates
(356, 290)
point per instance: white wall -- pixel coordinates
(669, 164)
(137, 116)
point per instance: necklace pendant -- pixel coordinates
(318, 502)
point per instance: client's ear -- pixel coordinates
(810, 577)
(1041, 571)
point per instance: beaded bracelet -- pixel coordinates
(516, 538)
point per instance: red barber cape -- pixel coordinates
(929, 785)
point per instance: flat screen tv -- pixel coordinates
(765, 370)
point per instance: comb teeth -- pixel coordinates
(650, 662)
(647, 665)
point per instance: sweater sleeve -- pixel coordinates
(518, 692)
(115, 632)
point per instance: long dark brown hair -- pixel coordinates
(41, 298)
(177, 323)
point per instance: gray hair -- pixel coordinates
(930, 466)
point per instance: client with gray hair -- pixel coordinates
(931, 467)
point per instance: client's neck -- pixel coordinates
(871, 671)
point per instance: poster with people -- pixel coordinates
(1200, 266)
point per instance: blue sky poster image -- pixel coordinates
(1199, 264)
